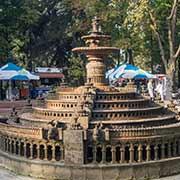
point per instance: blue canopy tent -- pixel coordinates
(128, 71)
(11, 71)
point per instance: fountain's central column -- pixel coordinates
(96, 54)
(96, 70)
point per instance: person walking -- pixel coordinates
(150, 88)
(160, 90)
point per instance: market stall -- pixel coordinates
(10, 73)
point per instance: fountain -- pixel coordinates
(94, 131)
(96, 54)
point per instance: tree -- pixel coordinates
(148, 11)
(35, 32)
(10, 12)
(43, 32)
(47, 40)
(76, 70)
(169, 62)
(113, 16)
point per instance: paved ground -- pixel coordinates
(176, 177)
(8, 175)
(21, 105)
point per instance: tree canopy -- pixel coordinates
(43, 32)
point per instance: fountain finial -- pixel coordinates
(96, 53)
(96, 27)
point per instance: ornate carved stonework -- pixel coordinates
(96, 54)
(95, 123)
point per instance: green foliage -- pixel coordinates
(15, 17)
(43, 32)
(35, 31)
(76, 72)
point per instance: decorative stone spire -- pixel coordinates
(96, 54)
(96, 27)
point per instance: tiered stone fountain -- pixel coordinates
(96, 54)
(94, 131)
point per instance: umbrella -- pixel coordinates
(112, 72)
(128, 71)
(12, 72)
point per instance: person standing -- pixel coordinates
(138, 87)
(150, 88)
(160, 90)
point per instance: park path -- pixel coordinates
(6, 106)
(9, 175)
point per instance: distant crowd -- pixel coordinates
(156, 88)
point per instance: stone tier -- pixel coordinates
(134, 150)
(19, 131)
(99, 104)
(115, 96)
(136, 145)
(61, 104)
(144, 132)
(27, 119)
(96, 51)
(147, 122)
(119, 114)
(96, 37)
(121, 104)
(124, 146)
(116, 114)
(43, 113)
(32, 149)
(68, 96)
(108, 94)
(30, 142)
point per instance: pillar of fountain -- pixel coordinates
(96, 54)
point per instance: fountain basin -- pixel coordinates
(96, 37)
(96, 50)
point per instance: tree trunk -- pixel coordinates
(126, 57)
(170, 71)
(130, 56)
(178, 74)
(170, 66)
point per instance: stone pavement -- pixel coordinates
(6, 106)
(175, 177)
(9, 175)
